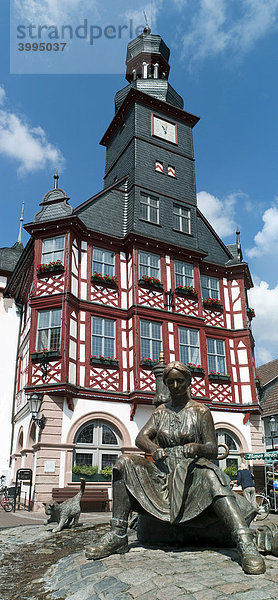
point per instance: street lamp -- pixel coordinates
(272, 429)
(34, 401)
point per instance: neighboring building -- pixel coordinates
(267, 382)
(135, 269)
(10, 315)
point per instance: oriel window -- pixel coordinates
(49, 329)
(216, 356)
(53, 249)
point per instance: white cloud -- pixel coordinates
(266, 240)
(55, 11)
(219, 213)
(265, 325)
(25, 144)
(219, 26)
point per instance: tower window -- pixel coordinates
(159, 166)
(150, 339)
(104, 262)
(210, 287)
(216, 356)
(103, 337)
(149, 208)
(183, 274)
(53, 249)
(189, 345)
(149, 264)
(171, 171)
(181, 219)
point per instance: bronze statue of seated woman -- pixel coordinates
(181, 486)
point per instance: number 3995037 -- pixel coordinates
(42, 47)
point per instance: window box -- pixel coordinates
(219, 377)
(150, 282)
(105, 361)
(147, 363)
(212, 304)
(187, 290)
(196, 369)
(250, 313)
(49, 269)
(107, 280)
(96, 477)
(45, 355)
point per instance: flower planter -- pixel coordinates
(48, 272)
(208, 305)
(113, 364)
(150, 284)
(250, 313)
(148, 364)
(196, 370)
(186, 292)
(96, 477)
(216, 377)
(45, 356)
(104, 282)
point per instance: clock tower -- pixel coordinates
(150, 139)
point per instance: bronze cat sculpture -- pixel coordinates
(67, 513)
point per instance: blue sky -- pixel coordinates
(223, 63)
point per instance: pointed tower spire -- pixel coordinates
(147, 29)
(56, 179)
(238, 245)
(19, 241)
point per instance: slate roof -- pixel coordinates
(54, 206)
(10, 256)
(268, 375)
(158, 88)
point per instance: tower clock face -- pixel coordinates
(165, 130)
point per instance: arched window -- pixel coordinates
(225, 437)
(98, 444)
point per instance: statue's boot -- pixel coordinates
(228, 511)
(251, 560)
(113, 542)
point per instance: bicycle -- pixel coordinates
(5, 501)
(263, 506)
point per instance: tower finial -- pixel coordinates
(56, 178)
(147, 29)
(20, 224)
(238, 245)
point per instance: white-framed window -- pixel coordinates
(53, 249)
(181, 217)
(210, 287)
(159, 166)
(216, 355)
(151, 339)
(49, 329)
(97, 444)
(149, 264)
(149, 208)
(189, 345)
(183, 273)
(104, 261)
(171, 171)
(103, 337)
(233, 460)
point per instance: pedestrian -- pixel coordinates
(246, 480)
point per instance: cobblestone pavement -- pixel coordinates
(39, 565)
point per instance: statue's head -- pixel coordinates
(181, 368)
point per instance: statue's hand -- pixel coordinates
(191, 450)
(159, 454)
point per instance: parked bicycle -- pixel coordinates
(263, 506)
(5, 502)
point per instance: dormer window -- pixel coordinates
(53, 249)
